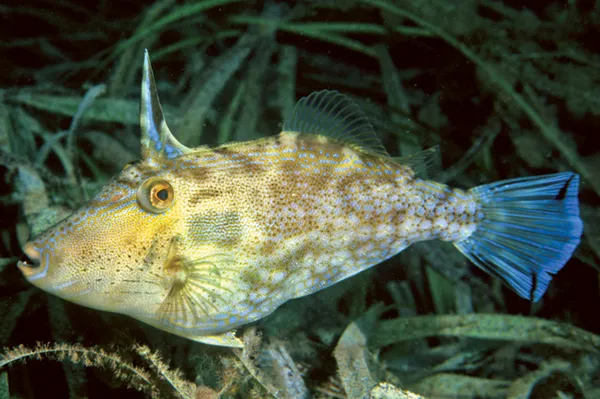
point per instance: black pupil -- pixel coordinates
(162, 194)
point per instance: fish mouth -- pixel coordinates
(30, 263)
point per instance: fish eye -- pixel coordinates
(162, 194)
(155, 195)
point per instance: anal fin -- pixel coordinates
(227, 339)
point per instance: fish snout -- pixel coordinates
(31, 261)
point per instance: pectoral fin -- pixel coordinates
(227, 339)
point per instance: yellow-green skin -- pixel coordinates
(251, 226)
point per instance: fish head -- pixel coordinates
(119, 251)
(108, 254)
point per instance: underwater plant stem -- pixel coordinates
(486, 326)
(548, 131)
(52, 142)
(160, 24)
(194, 43)
(485, 139)
(87, 101)
(324, 32)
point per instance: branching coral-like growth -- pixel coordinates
(150, 380)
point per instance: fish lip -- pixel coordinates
(31, 265)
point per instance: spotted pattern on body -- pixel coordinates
(255, 225)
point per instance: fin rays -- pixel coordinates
(531, 229)
(331, 114)
(199, 294)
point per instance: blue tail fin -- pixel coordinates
(530, 230)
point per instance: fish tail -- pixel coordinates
(530, 229)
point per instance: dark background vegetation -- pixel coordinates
(505, 88)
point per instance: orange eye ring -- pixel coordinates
(155, 195)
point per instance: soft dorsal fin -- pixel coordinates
(157, 140)
(331, 114)
(425, 163)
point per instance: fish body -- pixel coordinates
(200, 241)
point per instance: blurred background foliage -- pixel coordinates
(505, 88)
